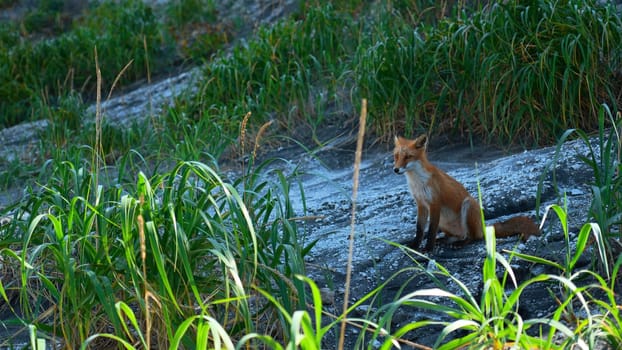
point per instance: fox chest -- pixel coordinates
(419, 185)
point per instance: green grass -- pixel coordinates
(419, 70)
(45, 69)
(493, 320)
(164, 248)
(603, 158)
(272, 76)
(513, 71)
(48, 69)
(516, 72)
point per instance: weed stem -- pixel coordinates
(355, 186)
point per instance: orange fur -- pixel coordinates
(442, 202)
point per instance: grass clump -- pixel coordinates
(39, 68)
(195, 28)
(190, 12)
(491, 318)
(35, 70)
(170, 247)
(272, 75)
(603, 158)
(49, 17)
(518, 68)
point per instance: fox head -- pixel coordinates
(407, 153)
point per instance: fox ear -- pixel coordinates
(396, 139)
(421, 141)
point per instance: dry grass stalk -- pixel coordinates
(116, 79)
(355, 186)
(143, 257)
(243, 132)
(260, 133)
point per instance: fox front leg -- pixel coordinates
(435, 216)
(422, 219)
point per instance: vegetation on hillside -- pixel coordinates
(133, 237)
(50, 55)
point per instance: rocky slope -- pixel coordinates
(387, 213)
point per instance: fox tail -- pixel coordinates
(519, 225)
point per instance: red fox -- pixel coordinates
(443, 202)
